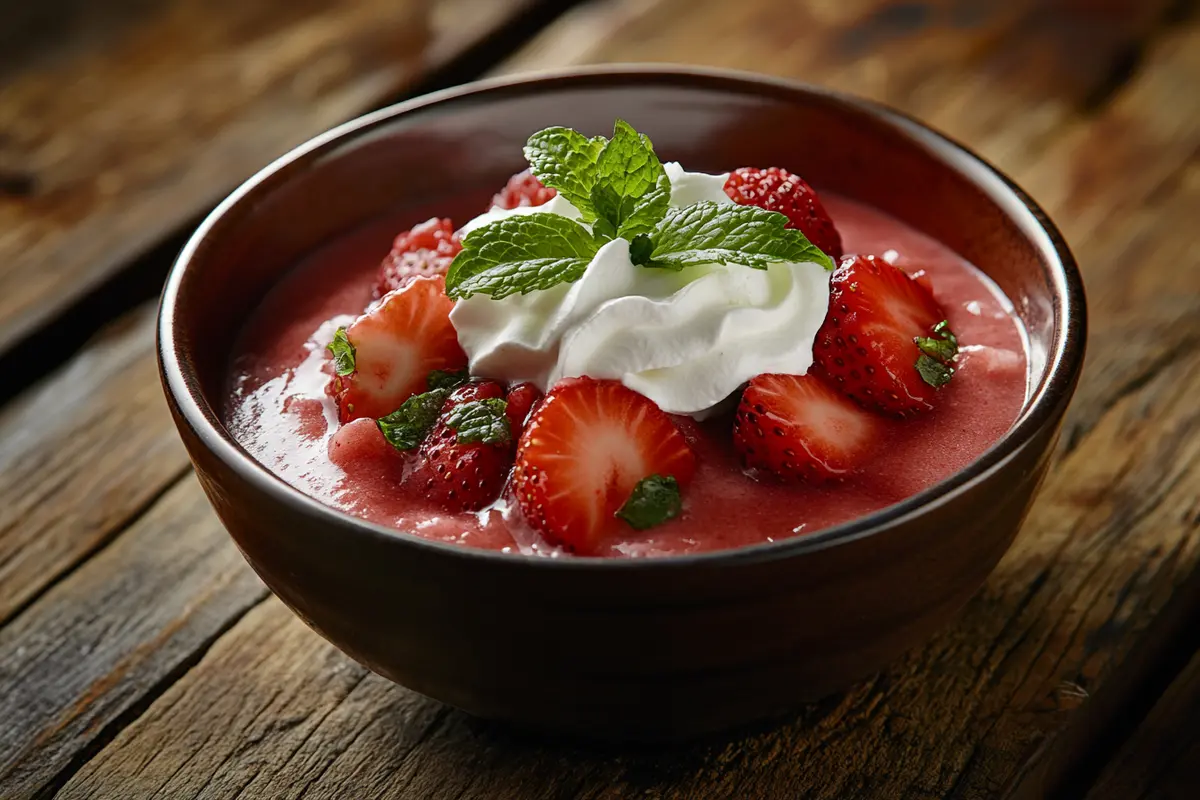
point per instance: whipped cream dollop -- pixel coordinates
(687, 340)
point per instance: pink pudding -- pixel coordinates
(281, 412)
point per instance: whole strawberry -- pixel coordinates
(885, 341)
(777, 189)
(424, 251)
(463, 462)
(523, 189)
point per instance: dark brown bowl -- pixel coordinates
(653, 648)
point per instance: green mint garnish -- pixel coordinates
(621, 190)
(520, 254)
(407, 426)
(653, 501)
(343, 351)
(631, 192)
(937, 353)
(447, 379)
(480, 421)
(717, 233)
(565, 160)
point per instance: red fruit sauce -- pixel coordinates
(279, 410)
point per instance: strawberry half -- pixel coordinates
(777, 189)
(797, 427)
(465, 475)
(424, 251)
(868, 344)
(587, 447)
(391, 350)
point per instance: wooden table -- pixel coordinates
(140, 657)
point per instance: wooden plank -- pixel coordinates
(127, 119)
(1113, 537)
(1161, 760)
(81, 455)
(85, 657)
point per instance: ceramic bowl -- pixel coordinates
(654, 648)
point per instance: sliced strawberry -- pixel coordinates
(424, 251)
(582, 454)
(777, 189)
(395, 346)
(462, 476)
(523, 189)
(867, 346)
(521, 400)
(797, 427)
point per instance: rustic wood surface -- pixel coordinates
(140, 657)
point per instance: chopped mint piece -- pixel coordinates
(344, 353)
(653, 501)
(934, 372)
(447, 379)
(520, 254)
(407, 426)
(937, 352)
(631, 193)
(565, 160)
(480, 421)
(640, 248)
(708, 232)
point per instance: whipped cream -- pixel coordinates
(687, 340)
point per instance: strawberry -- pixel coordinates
(777, 189)
(797, 427)
(425, 250)
(583, 453)
(385, 356)
(464, 475)
(523, 189)
(870, 345)
(521, 400)
(360, 449)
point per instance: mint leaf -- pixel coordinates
(937, 352)
(521, 254)
(447, 379)
(344, 353)
(407, 426)
(565, 160)
(631, 192)
(719, 233)
(653, 501)
(933, 372)
(480, 421)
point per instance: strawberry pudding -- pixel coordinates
(624, 358)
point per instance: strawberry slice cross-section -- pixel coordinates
(584, 451)
(388, 352)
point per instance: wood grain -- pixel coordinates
(1161, 760)
(81, 660)
(81, 455)
(1114, 536)
(128, 119)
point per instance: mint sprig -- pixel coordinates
(344, 353)
(480, 421)
(520, 254)
(448, 379)
(717, 233)
(621, 190)
(631, 193)
(653, 501)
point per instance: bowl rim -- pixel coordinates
(1064, 357)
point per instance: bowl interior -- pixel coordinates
(446, 154)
